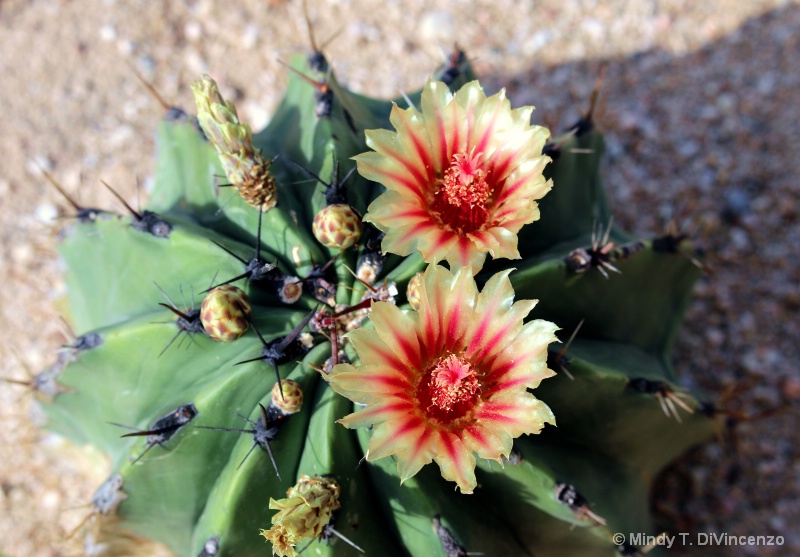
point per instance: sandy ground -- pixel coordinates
(701, 106)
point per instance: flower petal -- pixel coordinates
(416, 454)
(368, 383)
(398, 331)
(378, 413)
(456, 462)
(516, 415)
(388, 439)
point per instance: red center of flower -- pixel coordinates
(463, 195)
(449, 389)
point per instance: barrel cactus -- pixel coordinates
(326, 334)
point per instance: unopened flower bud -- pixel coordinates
(246, 169)
(292, 399)
(225, 313)
(412, 291)
(337, 226)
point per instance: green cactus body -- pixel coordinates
(202, 491)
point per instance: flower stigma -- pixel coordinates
(449, 390)
(462, 200)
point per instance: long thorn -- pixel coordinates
(170, 342)
(610, 267)
(330, 39)
(119, 197)
(248, 454)
(408, 100)
(164, 293)
(234, 430)
(672, 408)
(297, 330)
(571, 338)
(229, 252)
(210, 286)
(234, 279)
(248, 420)
(344, 539)
(278, 375)
(258, 333)
(596, 94)
(258, 234)
(250, 360)
(56, 185)
(600, 520)
(347, 176)
(320, 86)
(607, 234)
(147, 450)
(310, 27)
(81, 524)
(663, 404)
(272, 458)
(123, 426)
(264, 416)
(308, 172)
(676, 398)
(149, 86)
(149, 431)
(176, 311)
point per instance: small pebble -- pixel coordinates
(108, 33)
(193, 31)
(249, 38)
(46, 213)
(437, 27)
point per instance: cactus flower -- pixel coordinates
(462, 175)
(303, 514)
(448, 381)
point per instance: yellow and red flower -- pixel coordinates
(449, 381)
(462, 176)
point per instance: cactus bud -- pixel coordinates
(225, 313)
(412, 291)
(338, 226)
(246, 169)
(292, 399)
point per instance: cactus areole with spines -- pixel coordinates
(409, 326)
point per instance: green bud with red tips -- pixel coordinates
(338, 226)
(225, 313)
